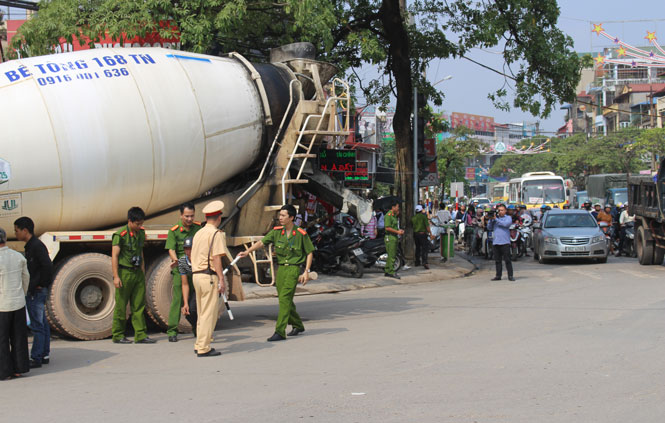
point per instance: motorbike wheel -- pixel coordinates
(358, 269)
(513, 253)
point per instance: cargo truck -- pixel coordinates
(646, 201)
(89, 134)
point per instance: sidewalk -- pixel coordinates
(456, 267)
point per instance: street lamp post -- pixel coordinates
(416, 184)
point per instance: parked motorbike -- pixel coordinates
(374, 254)
(488, 243)
(337, 248)
(526, 239)
(628, 243)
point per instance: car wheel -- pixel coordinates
(542, 260)
(602, 260)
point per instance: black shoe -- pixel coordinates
(617, 255)
(146, 340)
(295, 331)
(46, 359)
(173, 338)
(496, 278)
(35, 364)
(395, 276)
(122, 341)
(510, 278)
(276, 337)
(426, 266)
(211, 353)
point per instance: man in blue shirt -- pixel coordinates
(500, 225)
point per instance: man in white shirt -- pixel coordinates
(14, 280)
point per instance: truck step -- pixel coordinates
(324, 133)
(296, 181)
(303, 156)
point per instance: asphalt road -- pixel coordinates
(572, 342)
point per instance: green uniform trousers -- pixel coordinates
(391, 250)
(132, 291)
(176, 304)
(287, 279)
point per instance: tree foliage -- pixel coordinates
(454, 152)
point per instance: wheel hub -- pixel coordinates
(91, 296)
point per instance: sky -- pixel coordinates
(467, 90)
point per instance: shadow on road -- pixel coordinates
(71, 358)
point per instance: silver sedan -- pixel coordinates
(569, 234)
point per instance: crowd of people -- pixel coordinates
(196, 250)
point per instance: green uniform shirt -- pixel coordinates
(290, 248)
(178, 234)
(390, 221)
(419, 222)
(131, 244)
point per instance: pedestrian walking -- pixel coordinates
(40, 268)
(500, 225)
(185, 270)
(392, 232)
(207, 252)
(293, 249)
(185, 228)
(14, 282)
(128, 266)
(421, 235)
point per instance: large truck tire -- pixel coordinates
(82, 297)
(159, 294)
(644, 248)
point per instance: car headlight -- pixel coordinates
(551, 240)
(598, 238)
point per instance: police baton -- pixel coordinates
(226, 302)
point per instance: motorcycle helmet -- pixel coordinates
(544, 206)
(511, 207)
(607, 206)
(566, 206)
(188, 242)
(522, 206)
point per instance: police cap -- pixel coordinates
(213, 208)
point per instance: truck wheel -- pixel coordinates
(644, 248)
(158, 294)
(81, 300)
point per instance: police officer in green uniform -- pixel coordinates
(392, 232)
(129, 278)
(421, 234)
(186, 228)
(293, 248)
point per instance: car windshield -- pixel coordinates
(620, 196)
(572, 220)
(543, 191)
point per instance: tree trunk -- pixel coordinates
(393, 20)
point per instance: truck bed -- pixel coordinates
(643, 198)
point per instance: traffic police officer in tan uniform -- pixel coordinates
(129, 278)
(293, 248)
(185, 228)
(207, 276)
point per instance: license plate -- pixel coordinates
(575, 248)
(358, 252)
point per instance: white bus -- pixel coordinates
(537, 188)
(500, 192)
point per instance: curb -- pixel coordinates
(436, 273)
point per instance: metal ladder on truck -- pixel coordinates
(315, 123)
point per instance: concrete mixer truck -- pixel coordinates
(86, 135)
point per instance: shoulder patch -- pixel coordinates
(197, 223)
(278, 227)
(302, 231)
(174, 228)
(142, 228)
(123, 233)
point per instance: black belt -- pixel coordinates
(129, 267)
(289, 264)
(205, 271)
